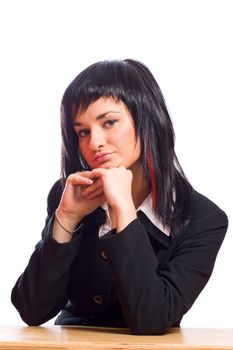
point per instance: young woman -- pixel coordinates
(127, 242)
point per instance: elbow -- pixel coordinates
(31, 323)
(35, 316)
(26, 313)
(149, 327)
(153, 321)
(142, 330)
(30, 320)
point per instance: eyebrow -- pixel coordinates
(101, 116)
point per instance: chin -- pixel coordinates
(107, 165)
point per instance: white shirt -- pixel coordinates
(146, 207)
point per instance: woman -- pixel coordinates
(127, 242)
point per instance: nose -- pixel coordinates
(97, 139)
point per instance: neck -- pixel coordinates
(140, 187)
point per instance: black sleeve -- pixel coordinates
(154, 298)
(40, 292)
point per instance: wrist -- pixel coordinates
(124, 216)
(63, 229)
(69, 220)
(125, 206)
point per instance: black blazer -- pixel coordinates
(140, 278)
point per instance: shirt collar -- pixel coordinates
(147, 208)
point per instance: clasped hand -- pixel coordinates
(87, 190)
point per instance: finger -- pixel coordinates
(100, 199)
(88, 190)
(94, 194)
(79, 179)
(95, 184)
(98, 172)
(88, 174)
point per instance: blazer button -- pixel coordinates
(98, 299)
(103, 255)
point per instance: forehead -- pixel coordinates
(99, 108)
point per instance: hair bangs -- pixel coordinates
(105, 79)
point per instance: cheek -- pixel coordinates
(137, 148)
(131, 145)
(84, 150)
(127, 134)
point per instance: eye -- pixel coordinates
(110, 122)
(82, 133)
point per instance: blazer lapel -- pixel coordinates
(154, 232)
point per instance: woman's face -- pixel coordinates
(106, 135)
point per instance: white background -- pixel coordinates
(45, 44)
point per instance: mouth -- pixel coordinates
(103, 157)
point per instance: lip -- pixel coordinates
(103, 157)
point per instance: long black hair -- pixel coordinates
(132, 83)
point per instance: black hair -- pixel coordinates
(132, 83)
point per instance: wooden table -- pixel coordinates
(87, 338)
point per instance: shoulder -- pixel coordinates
(202, 207)
(206, 218)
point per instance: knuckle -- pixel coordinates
(70, 178)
